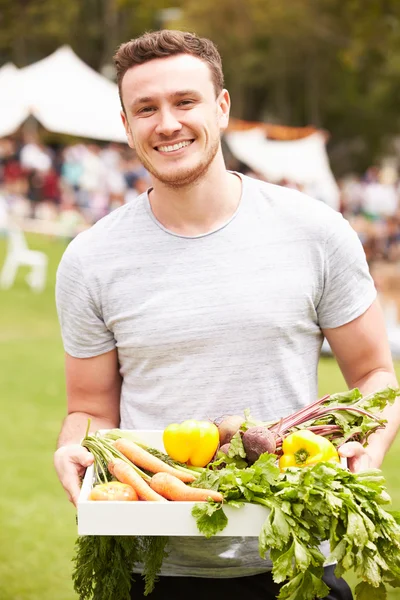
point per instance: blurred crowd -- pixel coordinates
(372, 205)
(73, 186)
(76, 185)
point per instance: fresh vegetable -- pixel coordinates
(104, 454)
(147, 461)
(174, 489)
(115, 434)
(114, 490)
(228, 427)
(103, 565)
(306, 506)
(224, 448)
(340, 417)
(303, 448)
(127, 474)
(256, 441)
(192, 442)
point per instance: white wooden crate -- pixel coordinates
(157, 518)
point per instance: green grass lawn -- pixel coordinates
(37, 523)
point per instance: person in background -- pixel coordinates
(211, 292)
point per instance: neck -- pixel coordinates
(200, 207)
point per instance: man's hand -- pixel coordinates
(357, 456)
(70, 463)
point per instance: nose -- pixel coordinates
(167, 124)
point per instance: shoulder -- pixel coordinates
(294, 207)
(112, 228)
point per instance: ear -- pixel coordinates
(127, 129)
(224, 106)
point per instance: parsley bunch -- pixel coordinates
(305, 507)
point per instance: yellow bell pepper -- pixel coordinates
(192, 442)
(304, 448)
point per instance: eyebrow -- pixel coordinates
(177, 94)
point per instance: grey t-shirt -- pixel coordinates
(213, 324)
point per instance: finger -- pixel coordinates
(76, 455)
(351, 449)
(71, 483)
(357, 464)
(83, 459)
(70, 463)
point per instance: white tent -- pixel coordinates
(303, 161)
(13, 108)
(66, 96)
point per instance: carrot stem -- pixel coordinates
(103, 450)
(88, 428)
(148, 461)
(116, 434)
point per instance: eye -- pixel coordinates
(185, 103)
(146, 110)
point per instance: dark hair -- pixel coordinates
(164, 43)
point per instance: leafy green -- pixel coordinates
(236, 447)
(103, 565)
(210, 518)
(347, 397)
(154, 552)
(223, 459)
(305, 506)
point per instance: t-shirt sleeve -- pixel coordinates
(83, 330)
(348, 288)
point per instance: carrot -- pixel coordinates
(174, 489)
(113, 490)
(147, 461)
(127, 474)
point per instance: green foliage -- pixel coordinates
(153, 550)
(306, 507)
(330, 63)
(210, 518)
(304, 62)
(103, 567)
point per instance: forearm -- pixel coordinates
(380, 442)
(75, 425)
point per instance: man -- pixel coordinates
(208, 294)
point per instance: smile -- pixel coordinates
(174, 147)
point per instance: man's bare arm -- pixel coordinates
(93, 392)
(362, 351)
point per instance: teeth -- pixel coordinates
(174, 147)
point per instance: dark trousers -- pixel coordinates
(254, 587)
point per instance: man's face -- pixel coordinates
(173, 118)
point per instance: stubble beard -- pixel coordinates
(183, 177)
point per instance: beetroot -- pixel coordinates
(228, 427)
(256, 441)
(224, 448)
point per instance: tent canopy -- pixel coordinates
(65, 95)
(303, 161)
(13, 109)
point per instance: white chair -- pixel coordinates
(18, 255)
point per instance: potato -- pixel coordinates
(228, 427)
(256, 441)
